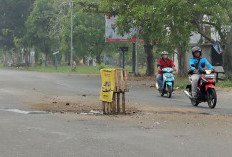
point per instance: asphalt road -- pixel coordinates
(59, 135)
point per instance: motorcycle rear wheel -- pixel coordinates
(212, 98)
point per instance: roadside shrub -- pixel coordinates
(102, 66)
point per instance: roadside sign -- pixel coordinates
(111, 31)
(108, 84)
(32, 53)
(56, 52)
(217, 47)
(124, 49)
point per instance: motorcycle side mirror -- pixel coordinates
(203, 65)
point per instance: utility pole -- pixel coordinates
(71, 55)
(137, 52)
(123, 49)
(133, 57)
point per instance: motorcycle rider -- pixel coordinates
(197, 61)
(162, 63)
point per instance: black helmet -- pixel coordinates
(196, 49)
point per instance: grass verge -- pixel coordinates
(63, 69)
(180, 82)
(224, 83)
(183, 82)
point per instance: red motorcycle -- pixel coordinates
(206, 88)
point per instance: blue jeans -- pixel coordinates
(159, 80)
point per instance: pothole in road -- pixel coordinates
(95, 108)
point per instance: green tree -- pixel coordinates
(178, 31)
(218, 15)
(88, 33)
(139, 15)
(214, 13)
(13, 16)
(40, 24)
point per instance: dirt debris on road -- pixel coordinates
(187, 116)
(82, 104)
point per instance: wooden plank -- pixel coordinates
(126, 80)
(122, 81)
(123, 103)
(118, 102)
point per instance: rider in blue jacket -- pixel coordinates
(197, 60)
(202, 60)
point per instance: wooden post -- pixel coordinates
(109, 108)
(121, 86)
(118, 102)
(123, 103)
(122, 81)
(116, 80)
(106, 107)
(103, 107)
(126, 81)
(114, 103)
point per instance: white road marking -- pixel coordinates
(24, 112)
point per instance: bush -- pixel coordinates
(102, 66)
(74, 68)
(19, 65)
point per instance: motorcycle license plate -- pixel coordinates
(210, 76)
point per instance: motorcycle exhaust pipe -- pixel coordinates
(187, 94)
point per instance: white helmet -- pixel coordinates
(196, 49)
(164, 53)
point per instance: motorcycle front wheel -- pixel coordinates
(162, 93)
(212, 98)
(194, 102)
(169, 90)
